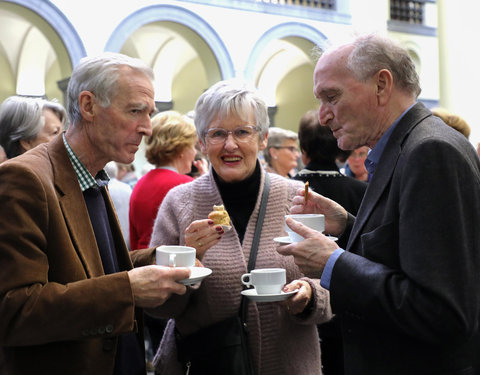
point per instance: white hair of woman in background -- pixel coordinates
(27, 122)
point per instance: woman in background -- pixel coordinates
(171, 149)
(356, 164)
(27, 122)
(281, 153)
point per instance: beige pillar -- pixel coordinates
(459, 60)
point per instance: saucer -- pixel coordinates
(197, 274)
(252, 294)
(286, 240)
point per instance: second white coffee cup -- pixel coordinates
(313, 221)
(266, 280)
(175, 256)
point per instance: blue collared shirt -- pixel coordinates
(370, 163)
(374, 155)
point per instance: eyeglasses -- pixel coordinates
(240, 134)
(292, 149)
(358, 155)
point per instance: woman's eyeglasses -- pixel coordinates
(292, 149)
(240, 134)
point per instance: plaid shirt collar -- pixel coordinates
(85, 178)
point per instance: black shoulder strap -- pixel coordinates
(256, 239)
(258, 228)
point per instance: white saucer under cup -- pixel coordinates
(252, 294)
(286, 240)
(197, 274)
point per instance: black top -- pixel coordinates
(239, 198)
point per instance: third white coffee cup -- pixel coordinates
(313, 221)
(266, 280)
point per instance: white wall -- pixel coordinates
(459, 32)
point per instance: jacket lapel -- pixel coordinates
(72, 204)
(386, 167)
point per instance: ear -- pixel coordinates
(203, 148)
(384, 86)
(262, 144)
(26, 145)
(86, 102)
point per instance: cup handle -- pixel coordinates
(247, 281)
(171, 260)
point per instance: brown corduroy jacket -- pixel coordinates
(59, 313)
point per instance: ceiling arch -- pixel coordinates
(53, 24)
(182, 17)
(281, 65)
(39, 45)
(295, 32)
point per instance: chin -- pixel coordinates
(126, 159)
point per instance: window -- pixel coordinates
(409, 11)
(320, 4)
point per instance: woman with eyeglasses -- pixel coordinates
(232, 126)
(281, 153)
(356, 164)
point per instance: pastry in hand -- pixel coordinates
(219, 216)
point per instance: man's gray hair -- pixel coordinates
(99, 75)
(373, 52)
(230, 97)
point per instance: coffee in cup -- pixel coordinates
(266, 280)
(175, 256)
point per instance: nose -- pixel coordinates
(230, 142)
(145, 127)
(324, 114)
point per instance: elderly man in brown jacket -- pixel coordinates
(70, 301)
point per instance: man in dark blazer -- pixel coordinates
(406, 289)
(70, 302)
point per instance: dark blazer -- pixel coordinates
(408, 288)
(59, 313)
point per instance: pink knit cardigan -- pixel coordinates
(280, 343)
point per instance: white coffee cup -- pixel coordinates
(313, 221)
(175, 256)
(266, 280)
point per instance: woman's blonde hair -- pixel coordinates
(172, 132)
(453, 120)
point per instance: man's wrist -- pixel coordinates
(327, 271)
